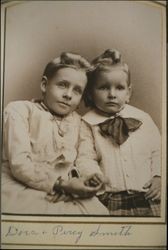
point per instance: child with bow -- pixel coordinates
(126, 140)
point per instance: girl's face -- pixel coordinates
(111, 91)
(62, 93)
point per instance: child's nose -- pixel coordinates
(68, 94)
(112, 93)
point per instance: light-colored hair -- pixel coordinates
(66, 60)
(108, 61)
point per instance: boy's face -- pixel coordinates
(62, 93)
(111, 91)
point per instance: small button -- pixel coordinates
(60, 132)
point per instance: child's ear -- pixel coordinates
(130, 90)
(43, 84)
(129, 93)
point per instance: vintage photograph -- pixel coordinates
(84, 110)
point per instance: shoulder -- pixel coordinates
(20, 107)
(131, 111)
(77, 120)
(134, 110)
(88, 115)
(73, 119)
(92, 118)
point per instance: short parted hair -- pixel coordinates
(66, 60)
(108, 61)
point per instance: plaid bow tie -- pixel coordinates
(118, 128)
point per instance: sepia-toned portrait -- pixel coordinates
(83, 125)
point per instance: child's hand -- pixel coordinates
(56, 197)
(77, 186)
(154, 186)
(95, 180)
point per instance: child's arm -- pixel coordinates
(154, 185)
(87, 159)
(18, 150)
(155, 142)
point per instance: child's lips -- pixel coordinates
(64, 104)
(111, 103)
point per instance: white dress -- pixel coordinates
(38, 148)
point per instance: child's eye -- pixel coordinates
(78, 90)
(105, 87)
(62, 84)
(120, 87)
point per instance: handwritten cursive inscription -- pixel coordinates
(123, 231)
(59, 230)
(62, 231)
(13, 231)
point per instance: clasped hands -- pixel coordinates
(82, 187)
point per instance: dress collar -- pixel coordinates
(94, 118)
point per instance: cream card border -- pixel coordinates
(147, 233)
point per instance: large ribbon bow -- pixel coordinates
(118, 128)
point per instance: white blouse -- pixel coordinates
(38, 147)
(132, 164)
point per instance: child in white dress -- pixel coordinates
(41, 143)
(126, 139)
